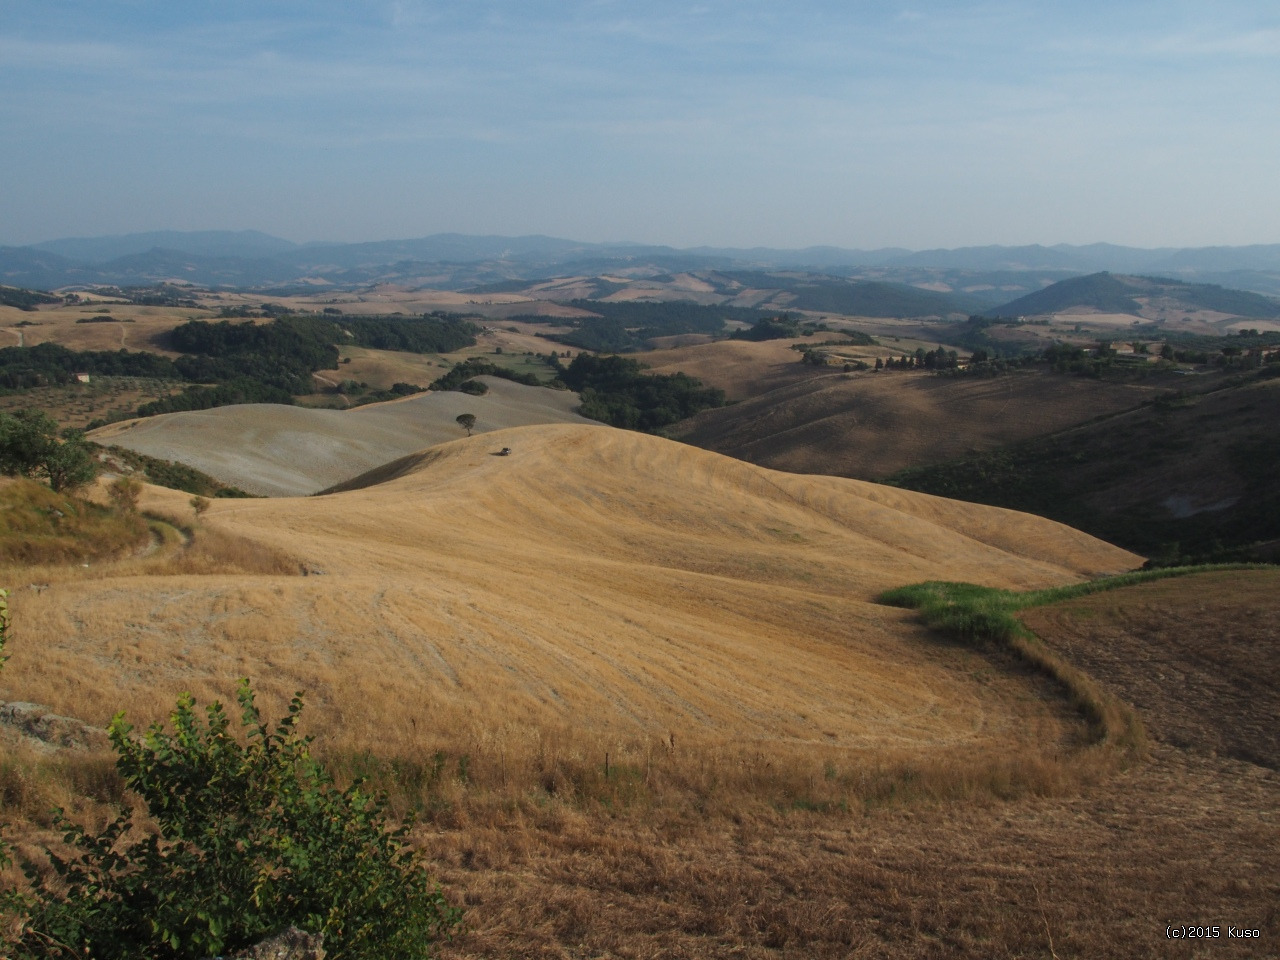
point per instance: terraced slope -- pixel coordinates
(594, 589)
(282, 451)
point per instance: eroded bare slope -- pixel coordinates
(275, 450)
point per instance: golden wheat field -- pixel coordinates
(642, 699)
(595, 591)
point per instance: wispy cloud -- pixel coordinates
(798, 101)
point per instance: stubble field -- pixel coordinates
(645, 704)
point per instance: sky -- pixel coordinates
(743, 123)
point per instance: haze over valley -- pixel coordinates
(590, 480)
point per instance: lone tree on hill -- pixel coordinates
(468, 421)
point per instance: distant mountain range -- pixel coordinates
(989, 275)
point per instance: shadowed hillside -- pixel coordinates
(740, 368)
(1191, 475)
(1107, 293)
(871, 425)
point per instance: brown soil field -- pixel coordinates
(870, 425)
(283, 451)
(1199, 658)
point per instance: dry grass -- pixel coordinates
(92, 542)
(874, 424)
(792, 769)
(738, 367)
(1188, 837)
(603, 624)
(1097, 874)
(38, 526)
(58, 325)
(598, 591)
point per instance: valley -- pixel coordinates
(640, 689)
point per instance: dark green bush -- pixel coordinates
(251, 836)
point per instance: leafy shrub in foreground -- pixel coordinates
(252, 837)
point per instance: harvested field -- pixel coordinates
(738, 367)
(665, 718)
(1189, 837)
(1200, 659)
(870, 425)
(597, 589)
(283, 451)
(131, 327)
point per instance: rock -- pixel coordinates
(292, 944)
(36, 722)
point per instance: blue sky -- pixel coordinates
(726, 123)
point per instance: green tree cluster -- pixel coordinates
(770, 328)
(615, 390)
(31, 447)
(25, 299)
(50, 364)
(478, 367)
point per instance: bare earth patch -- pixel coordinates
(282, 451)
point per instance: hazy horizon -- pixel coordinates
(324, 241)
(919, 126)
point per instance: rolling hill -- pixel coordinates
(1139, 296)
(249, 257)
(284, 451)
(1192, 474)
(534, 648)
(596, 587)
(1099, 873)
(869, 425)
